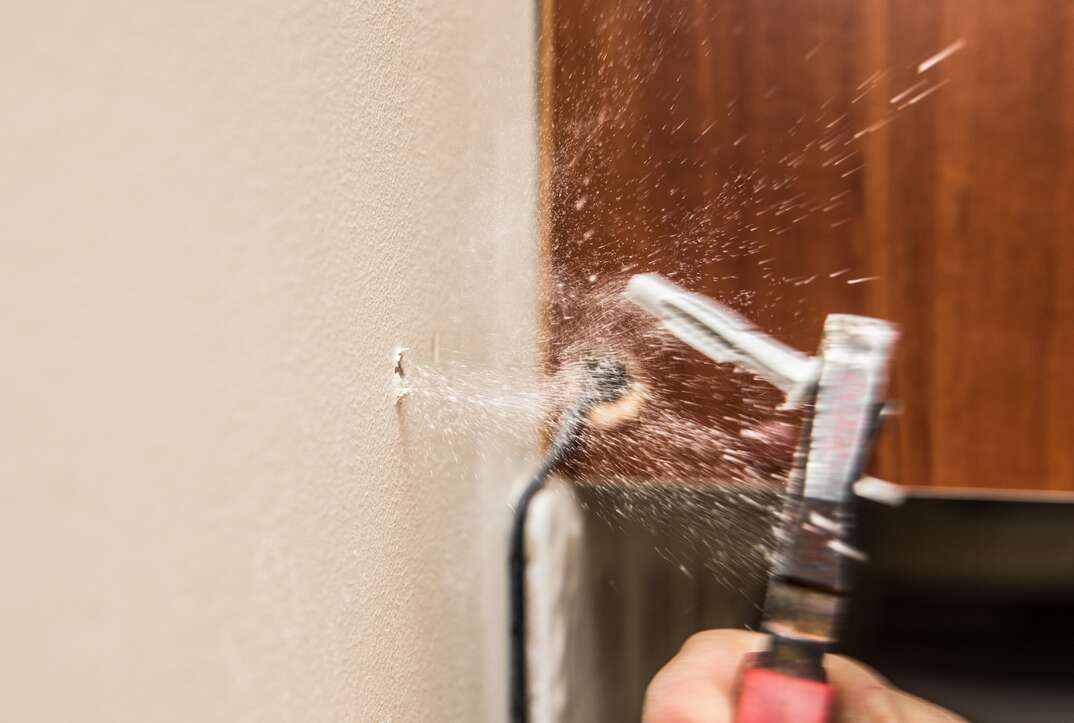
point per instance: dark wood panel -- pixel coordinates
(752, 151)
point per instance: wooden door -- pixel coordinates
(908, 160)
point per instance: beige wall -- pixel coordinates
(217, 220)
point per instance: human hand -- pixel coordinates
(697, 686)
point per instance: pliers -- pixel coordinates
(842, 391)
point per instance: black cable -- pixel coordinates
(567, 439)
(607, 380)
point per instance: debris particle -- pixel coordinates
(925, 93)
(896, 99)
(872, 128)
(942, 55)
(880, 491)
(842, 548)
(825, 523)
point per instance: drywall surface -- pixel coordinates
(217, 220)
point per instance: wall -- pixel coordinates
(217, 221)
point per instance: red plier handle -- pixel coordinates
(772, 696)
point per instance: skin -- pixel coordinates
(697, 686)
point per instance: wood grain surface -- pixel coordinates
(771, 152)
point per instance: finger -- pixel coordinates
(916, 710)
(696, 685)
(862, 695)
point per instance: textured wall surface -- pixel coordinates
(216, 222)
